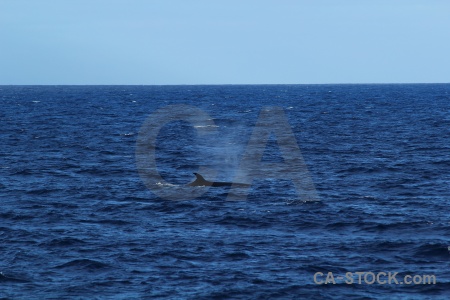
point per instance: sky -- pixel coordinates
(158, 42)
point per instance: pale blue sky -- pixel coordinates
(224, 41)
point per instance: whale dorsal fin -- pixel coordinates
(199, 177)
(200, 181)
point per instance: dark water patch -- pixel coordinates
(106, 221)
(24, 172)
(43, 191)
(10, 278)
(433, 251)
(64, 242)
(64, 204)
(84, 264)
(243, 221)
(237, 255)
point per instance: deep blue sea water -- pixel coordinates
(77, 220)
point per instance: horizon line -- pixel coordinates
(220, 84)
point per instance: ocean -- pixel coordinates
(349, 192)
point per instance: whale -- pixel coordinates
(200, 181)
